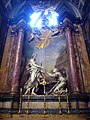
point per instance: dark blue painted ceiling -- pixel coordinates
(17, 9)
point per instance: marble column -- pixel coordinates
(17, 62)
(74, 79)
(9, 61)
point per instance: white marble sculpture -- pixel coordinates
(58, 88)
(36, 74)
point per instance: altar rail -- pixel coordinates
(45, 104)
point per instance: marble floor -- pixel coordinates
(44, 117)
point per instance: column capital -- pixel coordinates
(21, 25)
(13, 31)
(68, 25)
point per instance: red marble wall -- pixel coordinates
(3, 69)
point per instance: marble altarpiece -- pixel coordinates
(61, 68)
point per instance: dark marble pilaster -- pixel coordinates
(5, 62)
(79, 61)
(84, 60)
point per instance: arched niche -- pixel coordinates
(51, 51)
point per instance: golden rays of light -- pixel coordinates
(46, 39)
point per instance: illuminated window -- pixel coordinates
(44, 18)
